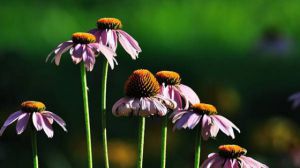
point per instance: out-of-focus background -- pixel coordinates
(242, 56)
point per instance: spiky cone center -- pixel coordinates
(141, 83)
(231, 151)
(109, 23)
(32, 106)
(204, 108)
(168, 77)
(83, 38)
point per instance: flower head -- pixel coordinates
(295, 98)
(207, 116)
(108, 32)
(41, 118)
(171, 87)
(83, 47)
(142, 97)
(231, 156)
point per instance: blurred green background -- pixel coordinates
(241, 56)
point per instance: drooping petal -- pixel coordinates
(22, 123)
(88, 58)
(77, 53)
(109, 55)
(131, 40)
(47, 127)
(252, 163)
(121, 107)
(182, 121)
(61, 48)
(103, 37)
(37, 121)
(228, 164)
(128, 47)
(177, 115)
(192, 121)
(111, 41)
(225, 125)
(208, 163)
(161, 109)
(57, 119)
(189, 94)
(96, 32)
(12, 118)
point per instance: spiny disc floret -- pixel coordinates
(168, 77)
(83, 38)
(204, 108)
(32, 106)
(231, 151)
(141, 83)
(109, 23)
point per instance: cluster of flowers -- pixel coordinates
(145, 95)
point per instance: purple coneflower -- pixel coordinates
(206, 115)
(83, 47)
(142, 97)
(231, 156)
(172, 88)
(109, 32)
(41, 118)
(143, 100)
(295, 98)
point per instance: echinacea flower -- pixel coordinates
(83, 47)
(295, 98)
(172, 88)
(41, 119)
(142, 97)
(207, 116)
(231, 156)
(109, 33)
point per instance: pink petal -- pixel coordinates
(128, 47)
(22, 123)
(61, 48)
(103, 37)
(131, 40)
(76, 54)
(111, 41)
(47, 127)
(12, 118)
(109, 55)
(37, 121)
(189, 93)
(57, 119)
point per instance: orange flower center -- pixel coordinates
(83, 38)
(141, 83)
(168, 77)
(231, 151)
(32, 106)
(109, 23)
(204, 108)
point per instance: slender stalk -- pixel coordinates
(103, 111)
(86, 115)
(34, 149)
(141, 142)
(197, 147)
(164, 132)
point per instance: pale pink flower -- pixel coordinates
(206, 116)
(171, 87)
(142, 97)
(41, 119)
(109, 33)
(231, 156)
(83, 47)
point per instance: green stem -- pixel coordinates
(141, 142)
(34, 149)
(197, 147)
(164, 132)
(103, 110)
(86, 115)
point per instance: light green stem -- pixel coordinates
(103, 111)
(141, 142)
(197, 147)
(164, 132)
(34, 149)
(86, 115)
